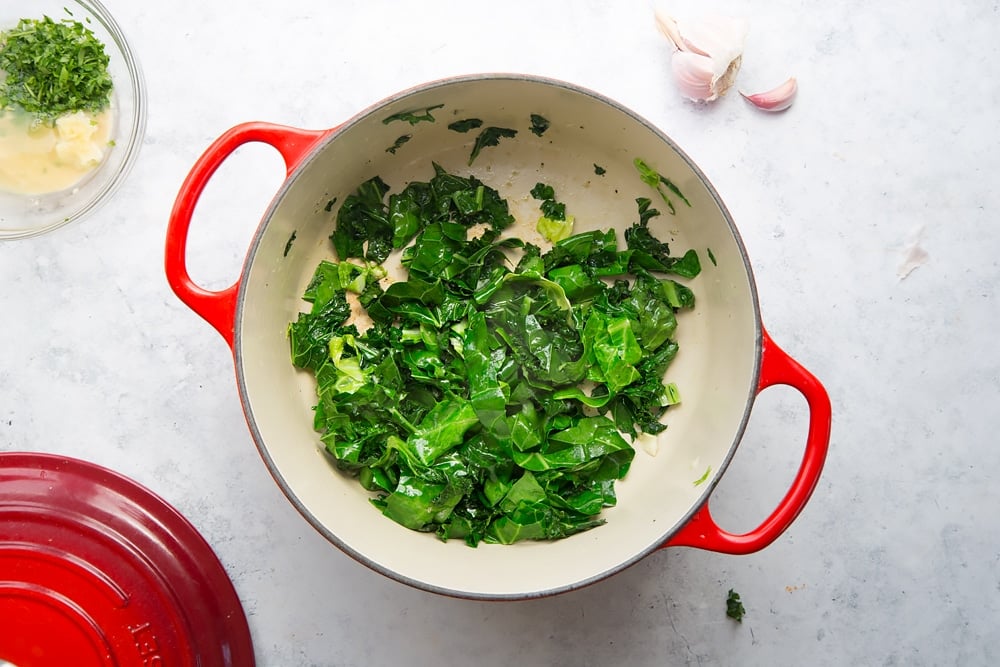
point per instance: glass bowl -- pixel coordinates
(22, 215)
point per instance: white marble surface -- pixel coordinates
(896, 560)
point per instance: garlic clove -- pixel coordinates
(694, 75)
(776, 99)
(698, 77)
(709, 53)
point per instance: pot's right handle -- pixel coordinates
(776, 368)
(218, 308)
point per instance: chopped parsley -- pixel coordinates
(288, 244)
(711, 257)
(599, 170)
(52, 68)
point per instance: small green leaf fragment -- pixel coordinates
(490, 136)
(599, 170)
(539, 124)
(711, 257)
(413, 116)
(734, 607)
(658, 182)
(288, 244)
(398, 143)
(701, 480)
(466, 125)
(553, 230)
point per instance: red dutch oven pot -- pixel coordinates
(726, 356)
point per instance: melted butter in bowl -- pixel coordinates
(39, 157)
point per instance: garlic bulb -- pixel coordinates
(777, 99)
(708, 56)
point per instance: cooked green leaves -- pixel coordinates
(554, 225)
(413, 116)
(465, 125)
(539, 124)
(53, 67)
(490, 136)
(660, 183)
(494, 395)
(398, 143)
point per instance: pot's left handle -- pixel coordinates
(218, 308)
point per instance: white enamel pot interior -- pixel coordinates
(725, 358)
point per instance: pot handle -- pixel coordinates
(702, 532)
(218, 308)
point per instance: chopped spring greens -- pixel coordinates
(465, 125)
(734, 608)
(494, 394)
(539, 124)
(413, 116)
(490, 136)
(554, 225)
(51, 68)
(658, 182)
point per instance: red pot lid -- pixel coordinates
(97, 570)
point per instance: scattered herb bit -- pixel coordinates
(462, 407)
(734, 608)
(554, 225)
(330, 204)
(655, 180)
(53, 68)
(490, 137)
(711, 257)
(701, 480)
(288, 244)
(599, 170)
(398, 143)
(539, 124)
(465, 125)
(414, 116)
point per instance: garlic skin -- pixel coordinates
(708, 53)
(776, 99)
